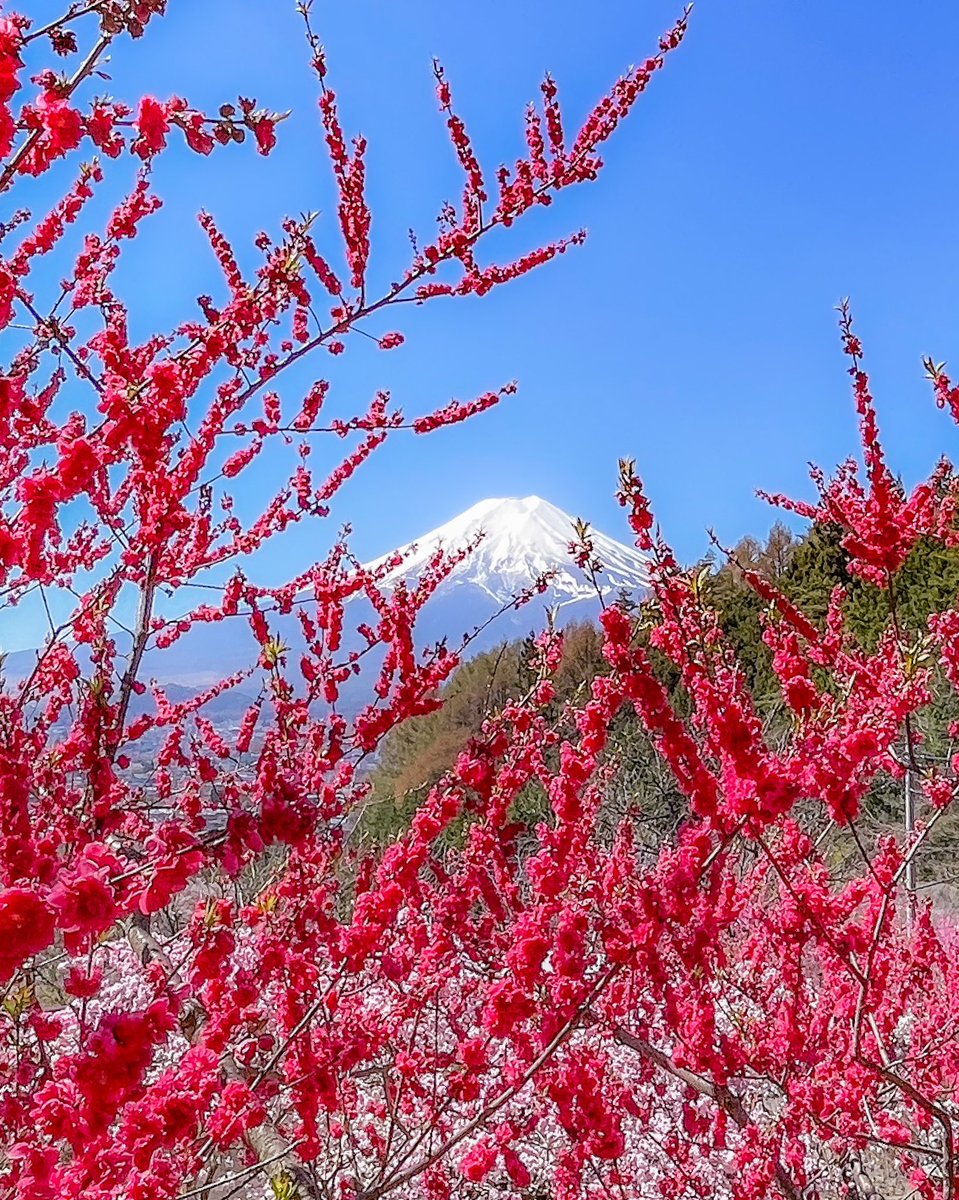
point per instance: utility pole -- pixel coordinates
(910, 862)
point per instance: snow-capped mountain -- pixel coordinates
(522, 539)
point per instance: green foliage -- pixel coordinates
(928, 582)
(284, 1187)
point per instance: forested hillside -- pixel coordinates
(807, 569)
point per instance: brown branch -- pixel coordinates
(144, 617)
(85, 68)
(720, 1095)
(53, 331)
(276, 1156)
(397, 1180)
(74, 12)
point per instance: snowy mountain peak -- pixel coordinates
(523, 539)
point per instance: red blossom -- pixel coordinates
(152, 124)
(84, 901)
(60, 129)
(26, 927)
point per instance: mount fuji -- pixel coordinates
(523, 539)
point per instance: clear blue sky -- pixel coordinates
(790, 154)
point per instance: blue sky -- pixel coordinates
(789, 155)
